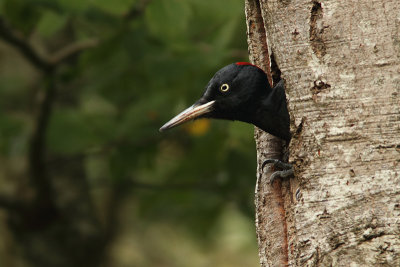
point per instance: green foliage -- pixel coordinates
(112, 100)
(22, 14)
(50, 23)
(176, 12)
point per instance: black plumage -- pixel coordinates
(241, 91)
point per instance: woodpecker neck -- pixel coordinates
(271, 114)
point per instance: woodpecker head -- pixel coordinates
(231, 94)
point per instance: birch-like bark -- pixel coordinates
(340, 60)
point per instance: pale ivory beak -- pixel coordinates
(188, 114)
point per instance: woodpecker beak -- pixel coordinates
(188, 114)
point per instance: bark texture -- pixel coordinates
(340, 60)
(268, 146)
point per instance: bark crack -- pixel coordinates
(317, 30)
(270, 203)
(275, 71)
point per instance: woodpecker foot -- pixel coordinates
(286, 169)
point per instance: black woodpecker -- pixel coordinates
(241, 91)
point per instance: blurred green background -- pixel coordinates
(86, 179)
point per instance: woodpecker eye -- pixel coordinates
(224, 87)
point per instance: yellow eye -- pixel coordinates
(224, 87)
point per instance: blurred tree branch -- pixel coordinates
(16, 39)
(47, 65)
(37, 165)
(71, 50)
(36, 158)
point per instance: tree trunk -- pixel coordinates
(340, 62)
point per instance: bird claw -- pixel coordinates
(286, 169)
